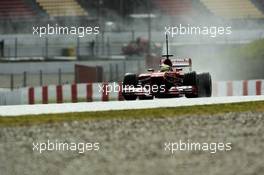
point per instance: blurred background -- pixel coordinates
(131, 39)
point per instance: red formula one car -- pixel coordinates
(171, 80)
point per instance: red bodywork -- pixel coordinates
(170, 81)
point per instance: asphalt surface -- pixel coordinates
(120, 105)
(136, 147)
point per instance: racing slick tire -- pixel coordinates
(204, 85)
(145, 97)
(190, 79)
(131, 80)
(191, 95)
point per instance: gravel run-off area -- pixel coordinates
(137, 146)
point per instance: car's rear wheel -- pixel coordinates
(130, 79)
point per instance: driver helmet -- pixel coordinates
(164, 67)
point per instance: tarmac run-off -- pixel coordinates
(16, 110)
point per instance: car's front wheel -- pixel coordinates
(131, 80)
(204, 85)
(202, 82)
(190, 79)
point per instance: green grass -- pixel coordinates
(135, 114)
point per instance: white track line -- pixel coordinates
(17, 110)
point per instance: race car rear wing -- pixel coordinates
(179, 62)
(176, 62)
